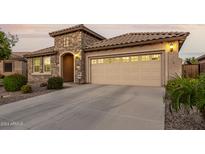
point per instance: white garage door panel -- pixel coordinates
(138, 72)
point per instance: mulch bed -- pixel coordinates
(10, 97)
(183, 120)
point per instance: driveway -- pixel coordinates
(88, 107)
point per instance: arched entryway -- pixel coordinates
(68, 67)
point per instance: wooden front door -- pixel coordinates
(68, 68)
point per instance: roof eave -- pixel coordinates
(40, 54)
(201, 58)
(16, 59)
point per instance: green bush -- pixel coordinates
(26, 89)
(187, 92)
(55, 83)
(14, 82)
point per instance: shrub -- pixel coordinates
(187, 92)
(43, 84)
(26, 89)
(55, 83)
(201, 93)
(14, 82)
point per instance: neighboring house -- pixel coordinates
(15, 64)
(201, 60)
(81, 55)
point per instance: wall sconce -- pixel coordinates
(171, 46)
(78, 56)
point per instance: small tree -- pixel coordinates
(7, 41)
(191, 61)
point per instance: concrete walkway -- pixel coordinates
(88, 107)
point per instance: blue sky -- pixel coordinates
(35, 36)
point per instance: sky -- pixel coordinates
(34, 37)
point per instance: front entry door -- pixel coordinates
(68, 68)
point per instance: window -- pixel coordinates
(100, 61)
(66, 42)
(125, 59)
(36, 64)
(134, 58)
(8, 67)
(94, 61)
(47, 64)
(107, 61)
(112, 60)
(117, 60)
(156, 57)
(145, 58)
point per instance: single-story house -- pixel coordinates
(15, 64)
(201, 60)
(82, 55)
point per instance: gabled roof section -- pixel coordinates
(42, 52)
(80, 27)
(134, 39)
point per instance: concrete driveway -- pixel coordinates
(88, 107)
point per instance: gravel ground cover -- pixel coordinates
(9, 97)
(183, 120)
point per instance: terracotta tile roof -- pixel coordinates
(80, 27)
(42, 52)
(133, 39)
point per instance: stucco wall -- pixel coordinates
(171, 63)
(17, 67)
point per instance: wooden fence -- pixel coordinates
(191, 71)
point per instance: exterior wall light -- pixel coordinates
(78, 56)
(171, 46)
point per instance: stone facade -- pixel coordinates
(75, 42)
(41, 77)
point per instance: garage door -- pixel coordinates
(144, 70)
